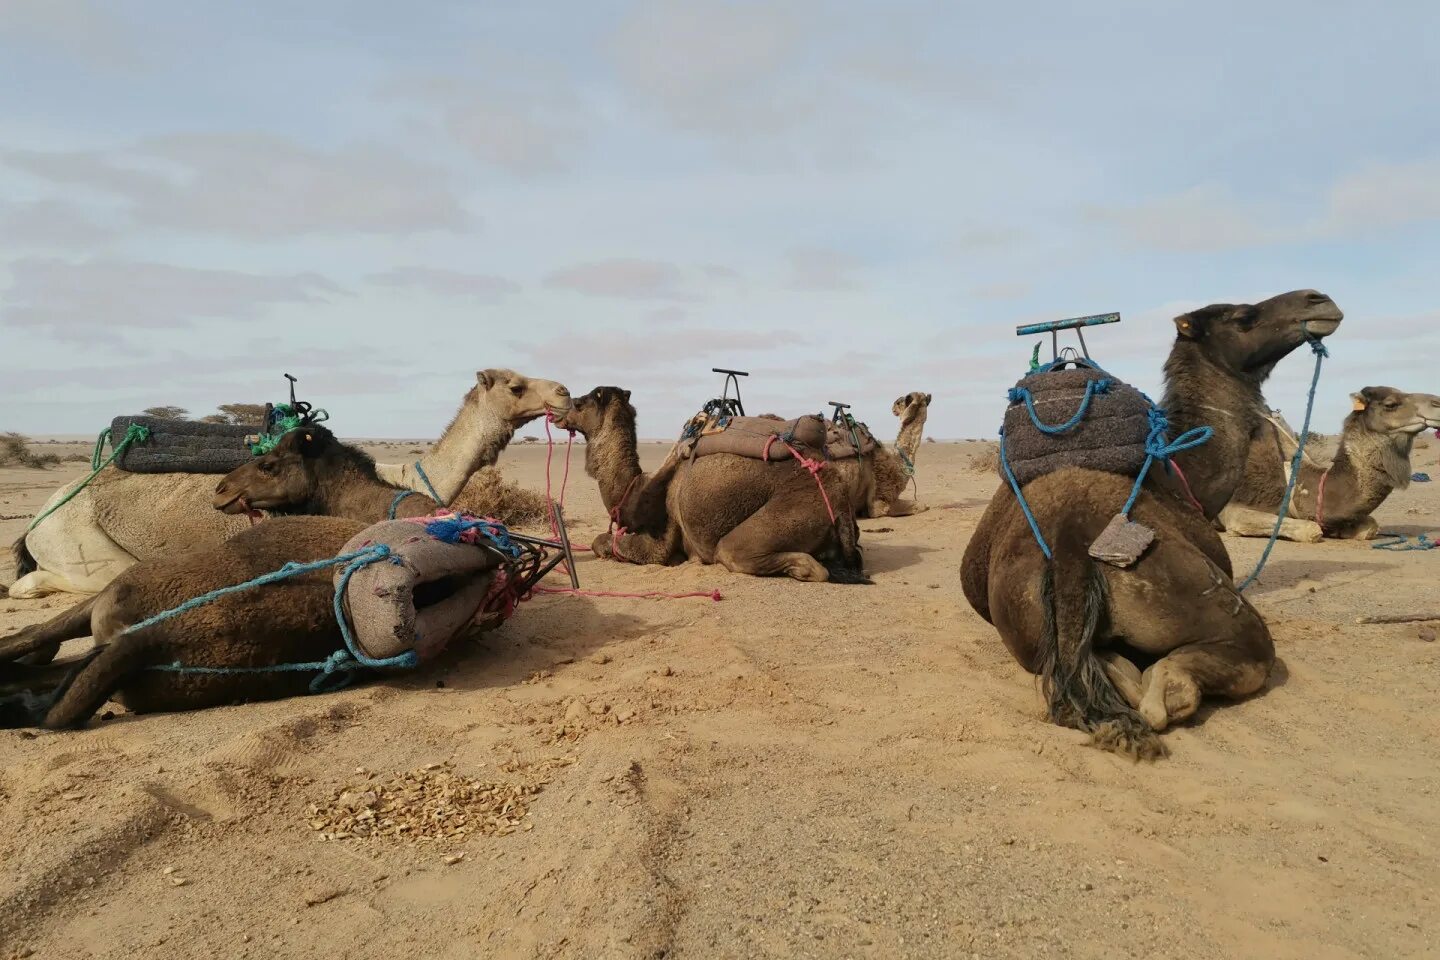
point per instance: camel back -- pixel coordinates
(424, 597)
(1090, 420)
(183, 446)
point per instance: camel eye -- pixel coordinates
(517, 389)
(266, 467)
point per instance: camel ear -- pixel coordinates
(310, 443)
(1189, 326)
(928, 398)
(626, 395)
(1358, 402)
(484, 379)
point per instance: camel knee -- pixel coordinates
(1125, 676)
(1170, 695)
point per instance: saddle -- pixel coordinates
(1075, 418)
(183, 446)
(770, 438)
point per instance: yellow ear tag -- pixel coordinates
(1357, 402)
(308, 438)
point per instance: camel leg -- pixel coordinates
(1126, 677)
(1366, 529)
(118, 657)
(1249, 522)
(638, 548)
(1233, 667)
(751, 547)
(905, 508)
(40, 642)
(25, 700)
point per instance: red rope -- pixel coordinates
(564, 481)
(1185, 484)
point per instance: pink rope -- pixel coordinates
(814, 466)
(652, 595)
(1186, 485)
(564, 481)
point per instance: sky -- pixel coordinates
(849, 200)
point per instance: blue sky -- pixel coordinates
(851, 200)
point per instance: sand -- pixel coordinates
(796, 771)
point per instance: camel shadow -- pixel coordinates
(890, 557)
(1286, 574)
(1279, 677)
(522, 647)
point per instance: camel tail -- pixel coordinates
(1077, 689)
(849, 565)
(24, 560)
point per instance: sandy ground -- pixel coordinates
(797, 771)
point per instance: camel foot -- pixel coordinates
(1126, 678)
(1130, 738)
(1170, 696)
(600, 546)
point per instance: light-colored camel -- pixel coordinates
(1334, 499)
(1084, 625)
(264, 627)
(121, 517)
(894, 468)
(755, 517)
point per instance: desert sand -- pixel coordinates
(795, 771)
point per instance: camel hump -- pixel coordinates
(1075, 418)
(760, 438)
(182, 446)
(423, 595)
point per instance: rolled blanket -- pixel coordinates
(760, 438)
(1097, 422)
(183, 446)
(423, 595)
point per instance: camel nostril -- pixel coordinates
(1317, 298)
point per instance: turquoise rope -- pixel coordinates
(342, 662)
(1401, 542)
(395, 504)
(429, 487)
(1157, 447)
(1024, 506)
(135, 433)
(1320, 354)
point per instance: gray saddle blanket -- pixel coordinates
(770, 438)
(1110, 436)
(183, 446)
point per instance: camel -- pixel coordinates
(123, 517)
(754, 517)
(287, 623)
(1083, 625)
(1335, 499)
(894, 468)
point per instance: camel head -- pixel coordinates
(910, 404)
(285, 477)
(1249, 339)
(589, 414)
(517, 398)
(1385, 410)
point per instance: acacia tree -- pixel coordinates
(242, 414)
(166, 413)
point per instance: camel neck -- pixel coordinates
(612, 458)
(912, 431)
(474, 439)
(1368, 467)
(352, 491)
(1199, 393)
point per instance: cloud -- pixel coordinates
(1387, 195)
(631, 279)
(668, 315)
(85, 30)
(50, 224)
(101, 299)
(698, 348)
(259, 186)
(1203, 218)
(448, 283)
(817, 268)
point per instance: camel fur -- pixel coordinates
(1087, 628)
(1372, 461)
(754, 517)
(893, 469)
(288, 622)
(124, 517)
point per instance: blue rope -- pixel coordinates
(341, 663)
(1158, 447)
(909, 464)
(1092, 387)
(1402, 542)
(429, 487)
(395, 504)
(1025, 507)
(1320, 354)
(450, 529)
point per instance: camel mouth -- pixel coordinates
(1323, 326)
(231, 506)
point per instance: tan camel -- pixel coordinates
(764, 519)
(268, 626)
(895, 468)
(1333, 499)
(122, 517)
(1083, 625)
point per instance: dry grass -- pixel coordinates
(488, 494)
(15, 452)
(988, 461)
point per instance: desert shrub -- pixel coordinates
(15, 452)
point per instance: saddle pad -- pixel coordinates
(762, 438)
(182, 446)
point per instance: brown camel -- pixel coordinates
(1338, 498)
(1083, 625)
(753, 517)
